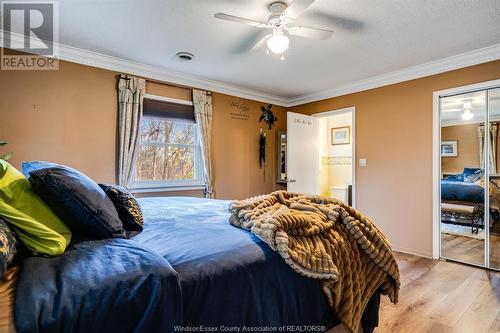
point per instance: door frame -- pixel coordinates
(352, 110)
(436, 161)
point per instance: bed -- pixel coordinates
(188, 269)
(453, 190)
(459, 191)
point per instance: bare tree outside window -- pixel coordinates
(168, 151)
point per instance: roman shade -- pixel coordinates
(164, 109)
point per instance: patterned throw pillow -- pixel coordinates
(476, 176)
(126, 205)
(8, 247)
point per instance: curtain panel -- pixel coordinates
(480, 137)
(131, 92)
(493, 147)
(492, 151)
(202, 101)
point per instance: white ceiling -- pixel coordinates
(371, 38)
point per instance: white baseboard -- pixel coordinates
(412, 252)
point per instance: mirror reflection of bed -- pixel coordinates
(467, 212)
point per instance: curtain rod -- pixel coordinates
(124, 77)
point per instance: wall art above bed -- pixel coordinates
(449, 148)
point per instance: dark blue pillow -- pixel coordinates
(126, 205)
(35, 165)
(77, 200)
(470, 171)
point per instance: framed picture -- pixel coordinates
(449, 148)
(341, 135)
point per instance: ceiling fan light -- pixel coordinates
(278, 43)
(467, 105)
(467, 115)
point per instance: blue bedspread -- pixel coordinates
(114, 285)
(461, 191)
(189, 267)
(228, 276)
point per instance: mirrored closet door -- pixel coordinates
(470, 178)
(463, 199)
(494, 176)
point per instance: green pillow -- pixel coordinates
(35, 224)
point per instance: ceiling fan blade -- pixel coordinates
(297, 7)
(452, 110)
(260, 43)
(308, 32)
(459, 110)
(338, 21)
(241, 20)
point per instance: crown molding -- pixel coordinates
(94, 59)
(99, 60)
(479, 56)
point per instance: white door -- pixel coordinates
(302, 153)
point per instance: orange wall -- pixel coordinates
(66, 116)
(69, 116)
(394, 134)
(468, 147)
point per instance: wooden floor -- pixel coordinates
(470, 250)
(439, 296)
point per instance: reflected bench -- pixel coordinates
(468, 212)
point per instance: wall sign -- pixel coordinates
(302, 122)
(239, 110)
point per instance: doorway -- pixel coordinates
(321, 151)
(336, 154)
(466, 177)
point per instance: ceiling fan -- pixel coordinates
(280, 21)
(466, 110)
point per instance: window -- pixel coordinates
(169, 151)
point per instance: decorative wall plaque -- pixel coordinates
(239, 110)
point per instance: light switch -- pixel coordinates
(362, 162)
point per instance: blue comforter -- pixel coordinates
(461, 191)
(228, 276)
(114, 285)
(189, 267)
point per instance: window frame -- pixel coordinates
(177, 184)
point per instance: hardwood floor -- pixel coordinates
(470, 250)
(439, 296)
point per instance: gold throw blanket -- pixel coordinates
(325, 239)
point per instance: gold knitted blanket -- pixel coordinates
(324, 238)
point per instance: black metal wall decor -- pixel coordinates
(262, 147)
(268, 116)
